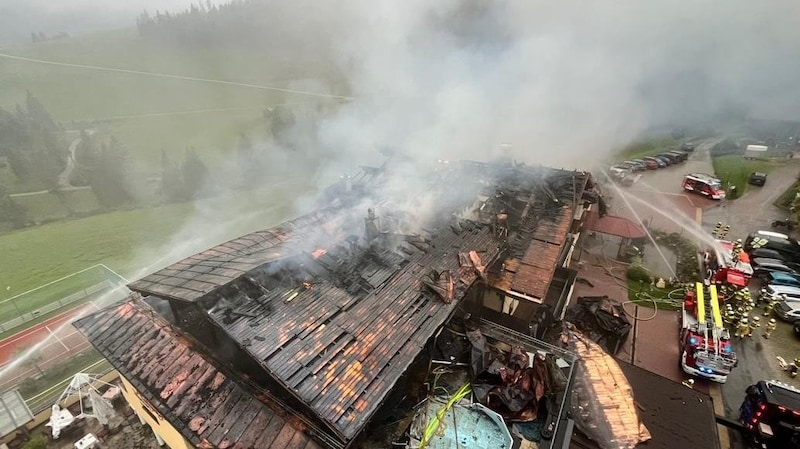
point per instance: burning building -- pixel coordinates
(301, 335)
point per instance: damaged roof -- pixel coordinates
(342, 353)
(532, 273)
(196, 397)
(675, 415)
(336, 318)
(200, 274)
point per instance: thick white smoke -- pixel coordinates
(561, 82)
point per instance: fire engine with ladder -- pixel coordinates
(725, 262)
(705, 344)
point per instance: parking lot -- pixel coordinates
(658, 199)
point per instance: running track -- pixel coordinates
(61, 340)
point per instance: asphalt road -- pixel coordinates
(751, 212)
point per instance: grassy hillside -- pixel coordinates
(148, 113)
(137, 241)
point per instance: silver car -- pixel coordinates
(788, 311)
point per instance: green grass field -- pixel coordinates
(734, 170)
(647, 148)
(135, 242)
(146, 114)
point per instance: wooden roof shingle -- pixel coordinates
(205, 404)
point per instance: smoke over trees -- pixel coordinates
(185, 181)
(33, 143)
(109, 168)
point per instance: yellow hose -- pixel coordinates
(433, 426)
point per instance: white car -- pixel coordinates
(792, 293)
(788, 311)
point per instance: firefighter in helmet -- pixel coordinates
(742, 328)
(738, 315)
(770, 327)
(728, 316)
(755, 323)
(769, 306)
(763, 296)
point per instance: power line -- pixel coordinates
(178, 77)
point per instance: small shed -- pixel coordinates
(755, 152)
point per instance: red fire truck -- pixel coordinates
(705, 344)
(770, 414)
(703, 184)
(723, 267)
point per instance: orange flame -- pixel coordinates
(318, 253)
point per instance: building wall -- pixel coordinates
(161, 427)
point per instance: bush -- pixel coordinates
(39, 442)
(687, 268)
(639, 273)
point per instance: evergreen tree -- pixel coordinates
(195, 175)
(12, 212)
(109, 174)
(281, 124)
(171, 179)
(38, 113)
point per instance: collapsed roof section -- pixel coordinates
(335, 305)
(209, 407)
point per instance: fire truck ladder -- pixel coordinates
(708, 313)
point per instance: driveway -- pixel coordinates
(658, 198)
(754, 210)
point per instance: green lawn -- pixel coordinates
(137, 241)
(649, 147)
(645, 295)
(734, 170)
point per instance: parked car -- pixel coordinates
(788, 311)
(687, 146)
(620, 170)
(650, 164)
(673, 159)
(757, 178)
(682, 156)
(765, 268)
(764, 262)
(792, 293)
(659, 162)
(780, 278)
(766, 254)
(782, 243)
(637, 166)
(663, 159)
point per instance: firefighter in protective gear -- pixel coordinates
(794, 367)
(737, 317)
(770, 327)
(728, 317)
(742, 328)
(755, 323)
(769, 306)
